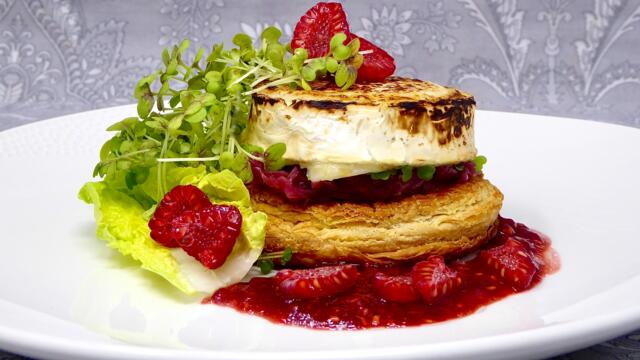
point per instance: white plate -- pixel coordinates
(64, 295)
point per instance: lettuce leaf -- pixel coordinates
(122, 224)
(146, 192)
(225, 186)
(174, 175)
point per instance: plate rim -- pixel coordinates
(601, 327)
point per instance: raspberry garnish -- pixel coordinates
(317, 26)
(186, 218)
(209, 233)
(317, 282)
(180, 199)
(512, 262)
(434, 279)
(377, 65)
(394, 288)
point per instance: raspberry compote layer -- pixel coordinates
(292, 183)
(491, 273)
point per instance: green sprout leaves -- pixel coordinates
(266, 260)
(479, 162)
(265, 265)
(341, 63)
(343, 60)
(271, 35)
(193, 112)
(273, 158)
(145, 99)
(382, 175)
(407, 173)
(243, 41)
(426, 172)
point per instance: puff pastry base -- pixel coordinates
(449, 222)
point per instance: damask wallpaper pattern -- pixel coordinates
(578, 58)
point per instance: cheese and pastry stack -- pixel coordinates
(381, 172)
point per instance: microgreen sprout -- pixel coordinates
(479, 162)
(265, 261)
(265, 265)
(407, 173)
(382, 175)
(426, 172)
(194, 113)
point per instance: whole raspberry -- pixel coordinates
(317, 282)
(180, 199)
(209, 233)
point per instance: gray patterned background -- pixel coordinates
(578, 58)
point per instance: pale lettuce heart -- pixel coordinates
(122, 224)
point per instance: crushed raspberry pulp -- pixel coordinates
(292, 183)
(362, 307)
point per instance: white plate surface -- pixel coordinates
(64, 295)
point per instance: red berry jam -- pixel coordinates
(515, 260)
(292, 183)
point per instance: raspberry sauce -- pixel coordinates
(361, 307)
(292, 183)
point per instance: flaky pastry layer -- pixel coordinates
(448, 222)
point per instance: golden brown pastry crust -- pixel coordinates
(448, 222)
